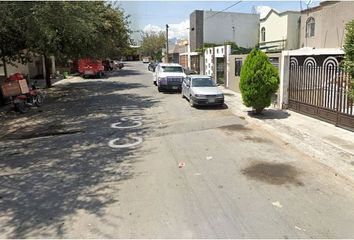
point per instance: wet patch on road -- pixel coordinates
(234, 127)
(258, 139)
(273, 173)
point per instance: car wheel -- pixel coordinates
(191, 102)
(183, 95)
(159, 89)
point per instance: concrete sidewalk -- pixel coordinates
(324, 142)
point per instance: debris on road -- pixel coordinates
(209, 157)
(181, 164)
(277, 204)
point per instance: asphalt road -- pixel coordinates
(113, 158)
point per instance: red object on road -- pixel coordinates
(89, 67)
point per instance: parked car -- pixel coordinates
(90, 67)
(201, 90)
(146, 60)
(168, 76)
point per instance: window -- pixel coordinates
(238, 65)
(263, 34)
(217, 50)
(310, 27)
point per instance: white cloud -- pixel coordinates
(175, 30)
(263, 10)
(152, 28)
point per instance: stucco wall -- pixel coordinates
(330, 22)
(278, 27)
(196, 30)
(241, 28)
(275, 27)
(293, 31)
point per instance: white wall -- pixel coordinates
(281, 27)
(241, 28)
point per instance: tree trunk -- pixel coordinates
(47, 63)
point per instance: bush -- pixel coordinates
(349, 54)
(259, 81)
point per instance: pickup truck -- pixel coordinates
(168, 76)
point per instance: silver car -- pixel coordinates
(201, 90)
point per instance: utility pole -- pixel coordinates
(166, 43)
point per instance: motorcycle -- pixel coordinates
(33, 98)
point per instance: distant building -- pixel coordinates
(279, 31)
(323, 26)
(219, 27)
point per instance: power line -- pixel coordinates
(224, 9)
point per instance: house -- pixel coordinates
(323, 26)
(279, 31)
(220, 27)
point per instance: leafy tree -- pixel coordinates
(152, 44)
(66, 30)
(349, 54)
(12, 32)
(259, 81)
(235, 49)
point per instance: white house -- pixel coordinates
(279, 31)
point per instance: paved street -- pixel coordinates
(113, 158)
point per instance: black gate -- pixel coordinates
(322, 92)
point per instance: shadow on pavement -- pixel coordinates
(216, 107)
(62, 164)
(269, 114)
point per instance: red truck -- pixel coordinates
(89, 67)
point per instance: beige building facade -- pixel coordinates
(324, 26)
(279, 31)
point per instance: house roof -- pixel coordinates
(322, 4)
(279, 14)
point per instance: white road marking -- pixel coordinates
(137, 124)
(113, 144)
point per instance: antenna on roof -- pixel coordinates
(308, 2)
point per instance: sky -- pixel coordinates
(154, 15)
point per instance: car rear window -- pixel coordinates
(203, 82)
(171, 69)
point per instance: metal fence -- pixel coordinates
(322, 92)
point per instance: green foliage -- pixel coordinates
(349, 54)
(152, 44)
(205, 46)
(259, 81)
(64, 29)
(235, 49)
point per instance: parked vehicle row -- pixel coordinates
(198, 89)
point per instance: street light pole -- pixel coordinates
(189, 49)
(166, 43)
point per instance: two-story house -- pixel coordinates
(323, 26)
(279, 31)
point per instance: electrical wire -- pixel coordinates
(224, 9)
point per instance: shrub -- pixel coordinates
(259, 81)
(349, 54)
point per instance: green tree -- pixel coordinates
(152, 44)
(65, 30)
(12, 32)
(235, 49)
(259, 81)
(349, 54)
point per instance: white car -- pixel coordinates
(168, 76)
(201, 90)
